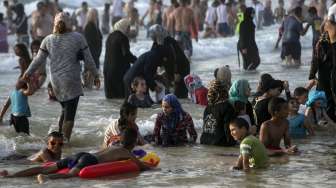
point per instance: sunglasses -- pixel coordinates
(58, 143)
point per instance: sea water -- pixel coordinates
(190, 166)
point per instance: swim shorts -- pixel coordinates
(79, 161)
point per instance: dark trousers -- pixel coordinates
(20, 123)
(69, 109)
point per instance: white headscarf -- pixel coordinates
(122, 25)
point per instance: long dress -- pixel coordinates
(94, 39)
(117, 62)
(247, 41)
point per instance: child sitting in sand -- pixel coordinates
(316, 111)
(197, 92)
(53, 152)
(172, 124)
(277, 128)
(82, 160)
(140, 98)
(128, 115)
(252, 152)
(20, 111)
(298, 123)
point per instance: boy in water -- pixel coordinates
(82, 159)
(252, 152)
(20, 110)
(53, 152)
(273, 130)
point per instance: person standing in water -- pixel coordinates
(247, 44)
(117, 60)
(293, 29)
(62, 48)
(105, 28)
(323, 63)
(184, 25)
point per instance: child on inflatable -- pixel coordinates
(252, 152)
(82, 159)
(197, 92)
(277, 128)
(53, 151)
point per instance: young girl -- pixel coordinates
(172, 124)
(240, 108)
(128, 115)
(316, 111)
(298, 124)
(140, 98)
(253, 153)
(20, 110)
(24, 58)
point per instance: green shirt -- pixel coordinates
(252, 147)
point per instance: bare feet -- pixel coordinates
(4, 173)
(292, 150)
(41, 178)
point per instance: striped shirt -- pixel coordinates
(65, 68)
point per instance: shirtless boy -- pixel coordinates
(53, 151)
(273, 130)
(82, 160)
(182, 24)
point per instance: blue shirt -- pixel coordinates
(292, 29)
(19, 103)
(296, 128)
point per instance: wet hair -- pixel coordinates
(20, 84)
(84, 3)
(312, 10)
(275, 105)
(55, 134)
(300, 91)
(35, 43)
(239, 106)
(240, 123)
(125, 110)
(136, 82)
(5, 3)
(129, 137)
(40, 5)
(24, 53)
(264, 79)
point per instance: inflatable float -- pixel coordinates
(116, 167)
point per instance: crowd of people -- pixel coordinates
(162, 75)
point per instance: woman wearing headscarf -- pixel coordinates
(62, 48)
(173, 123)
(240, 91)
(93, 35)
(324, 63)
(178, 70)
(223, 75)
(217, 116)
(117, 60)
(247, 45)
(146, 66)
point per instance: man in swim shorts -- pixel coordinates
(77, 162)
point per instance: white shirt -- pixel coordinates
(117, 9)
(222, 14)
(211, 16)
